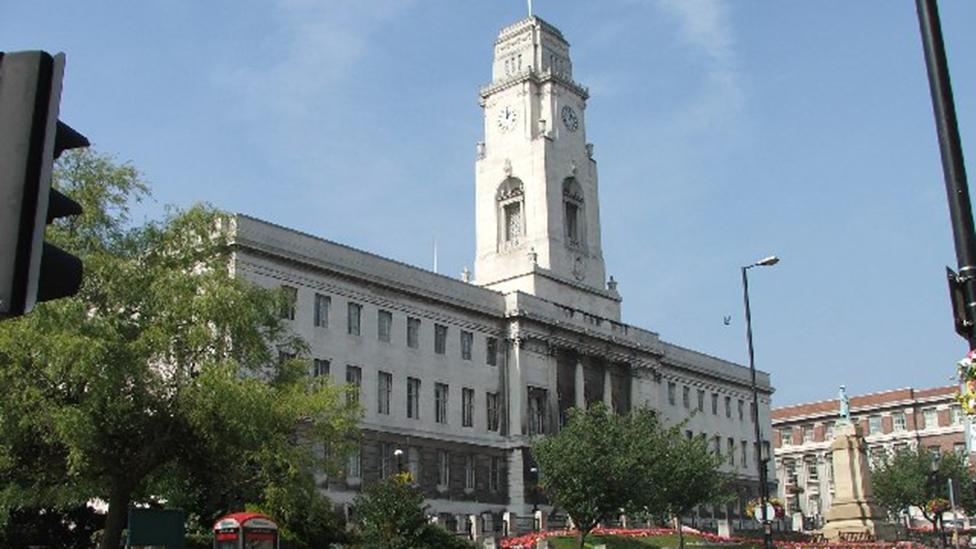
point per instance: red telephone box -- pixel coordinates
(245, 531)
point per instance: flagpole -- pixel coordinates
(530, 7)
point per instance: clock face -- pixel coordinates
(507, 118)
(570, 120)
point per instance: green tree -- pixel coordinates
(691, 477)
(159, 379)
(391, 516)
(911, 478)
(588, 467)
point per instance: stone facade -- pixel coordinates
(461, 376)
(802, 435)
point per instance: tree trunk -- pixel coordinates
(681, 534)
(118, 515)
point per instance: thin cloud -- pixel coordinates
(706, 27)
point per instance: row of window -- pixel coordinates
(899, 423)
(384, 325)
(409, 460)
(384, 392)
(730, 449)
(700, 407)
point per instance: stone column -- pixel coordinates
(474, 526)
(516, 389)
(853, 507)
(516, 482)
(580, 385)
(607, 386)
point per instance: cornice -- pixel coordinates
(531, 75)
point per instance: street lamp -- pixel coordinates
(760, 460)
(398, 454)
(534, 471)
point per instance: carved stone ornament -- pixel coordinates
(508, 167)
(511, 189)
(572, 169)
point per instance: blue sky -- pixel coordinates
(724, 132)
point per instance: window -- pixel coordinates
(492, 404)
(443, 470)
(829, 432)
(743, 453)
(491, 351)
(467, 407)
(469, 472)
(671, 393)
(537, 411)
(686, 396)
(413, 398)
(717, 445)
(354, 464)
(386, 459)
(413, 464)
(322, 305)
(572, 223)
(808, 433)
(440, 402)
(752, 412)
(728, 407)
(688, 434)
(955, 415)
(931, 418)
(730, 444)
(813, 474)
(935, 453)
(513, 222)
(701, 400)
(354, 379)
(384, 386)
(714, 404)
(960, 449)
(494, 473)
(572, 211)
(355, 312)
(384, 325)
(786, 437)
(285, 356)
(286, 305)
(898, 422)
(467, 340)
(320, 368)
(874, 424)
(440, 339)
(742, 407)
(413, 332)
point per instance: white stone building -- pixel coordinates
(460, 375)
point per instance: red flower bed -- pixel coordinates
(528, 541)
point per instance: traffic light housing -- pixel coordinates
(31, 138)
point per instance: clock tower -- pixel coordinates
(537, 207)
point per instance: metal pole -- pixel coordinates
(760, 463)
(953, 166)
(955, 517)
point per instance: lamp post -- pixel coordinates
(760, 460)
(398, 454)
(534, 471)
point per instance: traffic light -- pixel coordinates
(31, 138)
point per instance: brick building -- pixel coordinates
(927, 418)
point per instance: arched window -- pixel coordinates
(573, 218)
(511, 213)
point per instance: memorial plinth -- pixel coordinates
(852, 508)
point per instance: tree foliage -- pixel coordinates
(159, 379)
(391, 516)
(600, 464)
(910, 478)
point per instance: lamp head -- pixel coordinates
(768, 261)
(398, 452)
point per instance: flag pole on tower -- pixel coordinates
(530, 7)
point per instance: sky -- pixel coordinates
(724, 132)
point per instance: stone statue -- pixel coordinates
(845, 405)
